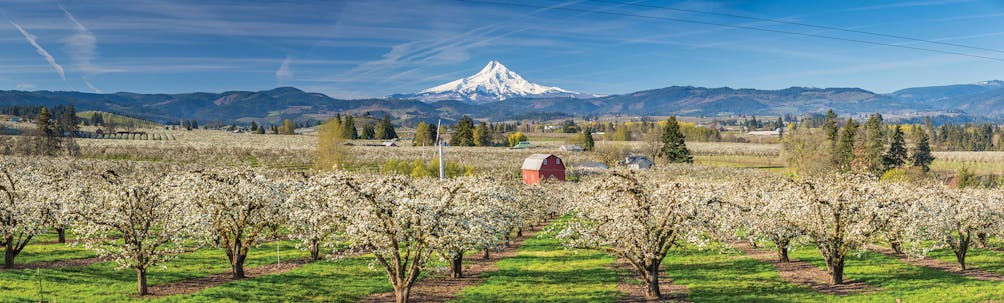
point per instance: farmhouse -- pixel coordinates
(571, 148)
(538, 167)
(637, 162)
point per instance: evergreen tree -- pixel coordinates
(844, 153)
(830, 127)
(896, 155)
(349, 128)
(253, 127)
(48, 143)
(587, 140)
(482, 135)
(673, 147)
(261, 130)
(464, 135)
(369, 132)
(424, 135)
(385, 130)
(69, 122)
(873, 144)
(922, 152)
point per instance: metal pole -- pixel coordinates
(442, 171)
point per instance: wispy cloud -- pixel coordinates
(284, 73)
(81, 46)
(41, 51)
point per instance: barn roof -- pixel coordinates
(534, 161)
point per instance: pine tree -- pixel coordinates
(48, 144)
(673, 147)
(896, 155)
(349, 128)
(922, 152)
(369, 132)
(873, 143)
(587, 140)
(482, 135)
(830, 127)
(253, 127)
(464, 135)
(843, 156)
(384, 129)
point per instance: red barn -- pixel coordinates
(538, 167)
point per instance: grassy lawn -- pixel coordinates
(345, 280)
(544, 271)
(102, 282)
(976, 258)
(51, 252)
(716, 277)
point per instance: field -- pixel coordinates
(699, 267)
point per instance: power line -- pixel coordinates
(737, 27)
(801, 24)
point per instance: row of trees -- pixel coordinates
(873, 147)
(141, 219)
(641, 215)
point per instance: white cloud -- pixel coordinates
(41, 51)
(81, 46)
(284, 73)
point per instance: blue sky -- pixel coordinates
(375, 48)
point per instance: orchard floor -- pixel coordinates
(541, 271)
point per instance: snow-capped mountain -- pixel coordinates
(494, 82)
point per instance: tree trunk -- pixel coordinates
(402, 294)
(62, 234)
(961, 250)
(782, 251)
(457, 265)
(314, 249)
(485, 256)
(897, 247)
(982, 239)
(141, 282)
(652, 278)
(519, 232)
(238, 266)
(8, 256)
(836, 266)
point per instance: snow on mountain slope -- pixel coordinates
(494, 82)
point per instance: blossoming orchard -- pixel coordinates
(277, 229)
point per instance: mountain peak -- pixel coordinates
(495, 82)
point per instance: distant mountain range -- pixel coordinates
(496, 93)
(494, 82)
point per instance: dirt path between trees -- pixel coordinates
(939, 265)
(804, 273)
(191, 286)
(439, 287)
(635, 288)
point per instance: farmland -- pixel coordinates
(733, 197)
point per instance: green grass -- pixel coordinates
(716, 277)
(544, 271)
(51, 252)
(976, 258)
(102, 282)
(345, 280)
